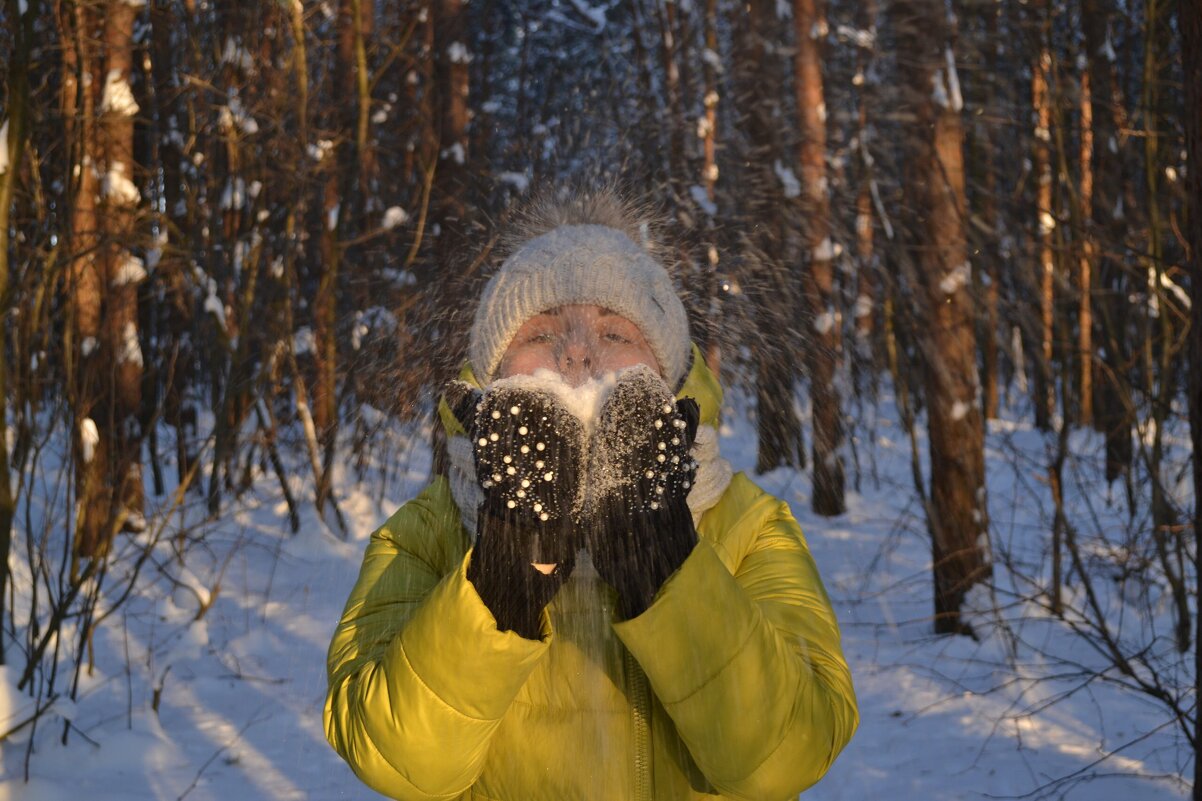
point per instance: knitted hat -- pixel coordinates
(586, 264)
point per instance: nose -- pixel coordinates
(576, 360)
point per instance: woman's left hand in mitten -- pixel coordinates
(527, 457)
(641, 471)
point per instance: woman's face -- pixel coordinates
(578, 341)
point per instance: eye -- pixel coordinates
(538, 338)
(615, 338)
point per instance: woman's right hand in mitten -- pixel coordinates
(527, 455)
(641, 471)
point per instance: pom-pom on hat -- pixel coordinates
(585, 263)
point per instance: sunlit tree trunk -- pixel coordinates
(14, 127)
(957, 512)
(88, 347)
(1045, 220)
(1085, 258)
(818, 281)
(124, 271)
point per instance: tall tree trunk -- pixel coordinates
(1045, 386)
(450, 190)
(13, 131)
(818, 281)
(1085, 258)
(1112, 396)
(982, 150)
(957, 512)
(1189, 22)
(177, 312)
(666, 13)
(124, 270)
(339, 204)
(758, 89)
(89, 349)
(708, 130)
(868, 293)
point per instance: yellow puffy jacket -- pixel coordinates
(732, 684)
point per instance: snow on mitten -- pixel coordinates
(527, 456)
(640, 474)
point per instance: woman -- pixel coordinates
(589, 605)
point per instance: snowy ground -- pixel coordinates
(242, 689)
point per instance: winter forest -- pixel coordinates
(943, 254)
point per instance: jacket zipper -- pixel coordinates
(640, 703)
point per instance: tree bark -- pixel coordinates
(1107, 227)
(758, 89)
(89, 349)
(982, 148)
(450, 187)
(14, 130)
(1189, 22)
(176, 313)
(708, 130)
(817, 282)
(957, 511)
(868, 293)
(1045, 221)
(1085, 259)
(124, 271)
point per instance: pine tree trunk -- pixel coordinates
(666, 13)
(451, 180)
(176, 312)
(758, 87)
(957, 512)
(123, 270)
(709, 177)
(1189, 22)
(15, 128)
(983, 153)
(817, 282)
(868, 293)
(1112, 397)
(1085, 258)
(338, 203)
(1045, 388)
(85, 285)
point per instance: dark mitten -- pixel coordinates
(527, 456)
(640, 476)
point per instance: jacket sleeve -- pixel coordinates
(419, 675)
(742, 648)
